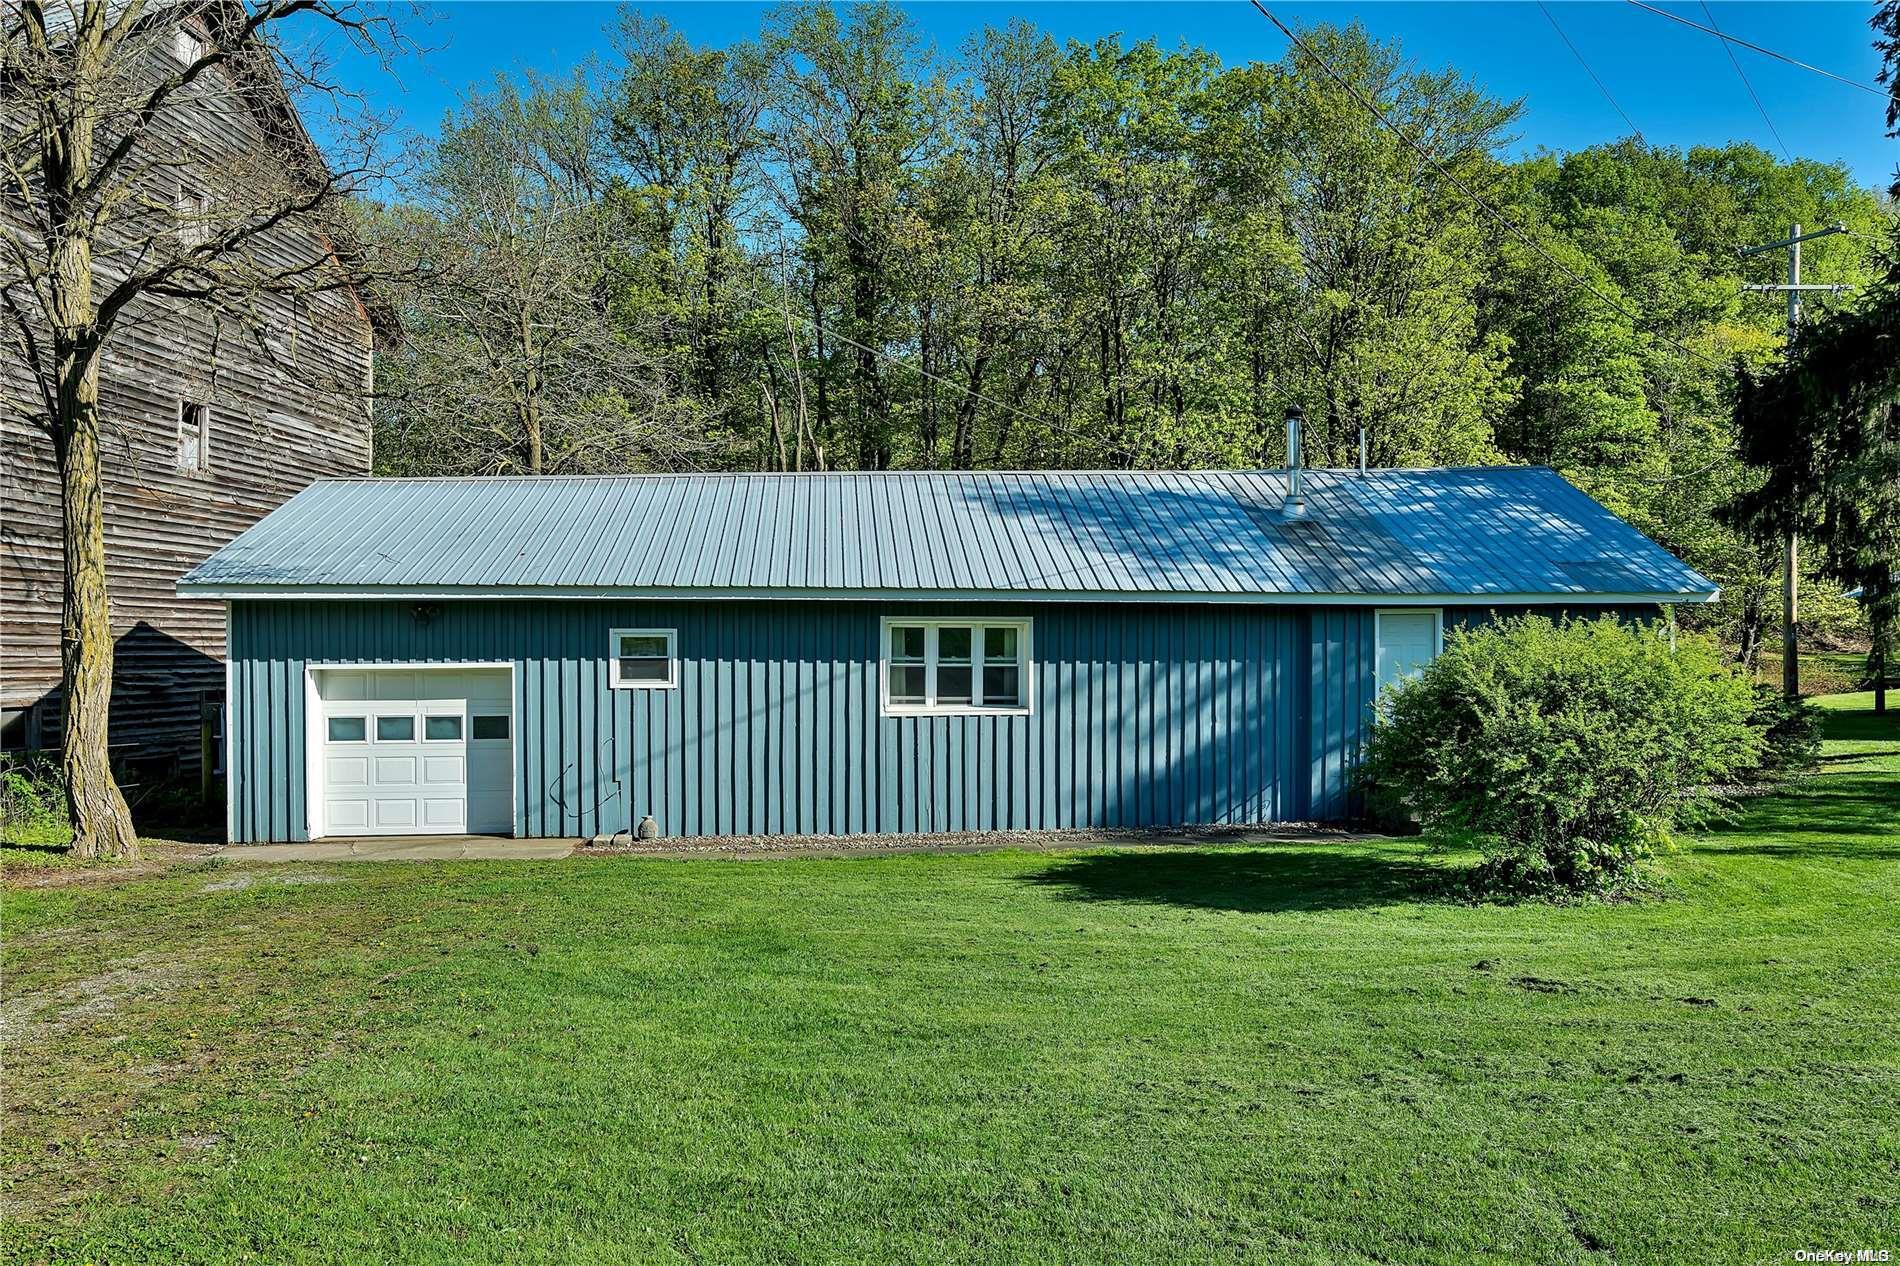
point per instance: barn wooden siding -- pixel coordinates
(273, 430)
(1143, 716)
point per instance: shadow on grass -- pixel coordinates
(49, 850)
(1861, 727)
(1272, 880)
(1857, 816)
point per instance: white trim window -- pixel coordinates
(955, 667)
(643, 659)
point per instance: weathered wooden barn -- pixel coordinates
(210, 420)
(847, 653)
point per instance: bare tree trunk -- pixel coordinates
(770, 403)
(818, 354)
(1753, 622)
(531, 395)
(1883, 633)
(101, 821)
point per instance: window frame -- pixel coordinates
(369, 727)
(202, 440)
(461, 727)
(672, 659)
(187, 46)
(191, 214)
(977, 624)
(376, 726)
(506, 718)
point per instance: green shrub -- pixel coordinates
(1791, 735)
(32, 801)
(1566, 752)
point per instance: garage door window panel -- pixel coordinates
(442, 729)
(395, 729)
(348, 729)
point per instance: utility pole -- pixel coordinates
(1790, 563)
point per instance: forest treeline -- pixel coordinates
(836, 247)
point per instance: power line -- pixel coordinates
(1510, 225)
(1757, 48)
(1578, 54)
(1752, 94)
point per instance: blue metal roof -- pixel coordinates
(1471, 534)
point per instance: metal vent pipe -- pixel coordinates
(1295, 500)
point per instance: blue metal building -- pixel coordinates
(846, 653)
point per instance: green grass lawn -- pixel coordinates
(1279, 1053)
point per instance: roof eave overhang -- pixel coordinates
(452, 593)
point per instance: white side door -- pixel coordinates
(1406, 641)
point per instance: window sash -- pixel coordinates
(643, 670)
(997, 684)
(194, 435)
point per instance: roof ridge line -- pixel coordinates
(908, 474)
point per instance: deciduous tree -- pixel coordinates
(114, 212)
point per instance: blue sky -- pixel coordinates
(1677, 84)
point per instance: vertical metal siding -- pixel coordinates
(1143, 716)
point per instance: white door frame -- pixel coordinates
(1378, 619)
(1438, 624)
(314, 825)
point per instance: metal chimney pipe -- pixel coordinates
(1295, 502)
(1362, 452)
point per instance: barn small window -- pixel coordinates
(194, 435)
(643, 659)
(186, 47)
(956, 666)
(490, 726)
(191, 215)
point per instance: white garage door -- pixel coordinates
(414, 752)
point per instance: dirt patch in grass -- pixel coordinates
(45, 867)
(778, 847)
(268, 879)
(33, 1017)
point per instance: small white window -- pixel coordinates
(642, 659)
(186, 47)
(396, 729)
(194, 435)
(441, 729)
(956, 666)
